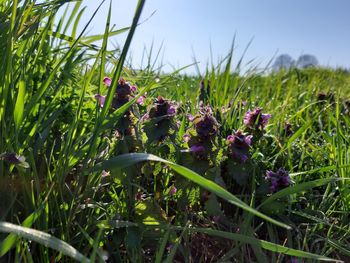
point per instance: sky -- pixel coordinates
(206, 28)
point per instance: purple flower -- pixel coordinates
(144, 117)
(171, 110)
(278, 180)
(13, 158)
(101, 99)
(231, 138)
(123, 89)
(140, 196)
(162, 107)
(190, 117)
(239, 145)
(107, 81)
(141, 100)
(172, 190)
(197, 148)
(243, 157)
(133, 88)
(248, 139)
(206, 125)
(105, 173)
(186, 137)
(265, 119)
(255, 119)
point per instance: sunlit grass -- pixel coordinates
(136, 179)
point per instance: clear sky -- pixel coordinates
(295, 27)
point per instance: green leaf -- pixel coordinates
(126, 160)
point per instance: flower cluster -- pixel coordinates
(239, 145)
(256, 120)
(158, 121)
(122, 94)
(278, 180)
(205, 124)
(162, 107)
(206, 127)
(13, 158)
(125, 139)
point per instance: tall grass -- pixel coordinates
(92, 186)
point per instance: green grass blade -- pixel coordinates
(72, 15)
(43, 239)
(261, 243)
(32, 103)
(94, 38)
(126, 160)
(116, 76)
(298, 188)
(76, 22)
(19, 106)
(121, 60)
(11, 239)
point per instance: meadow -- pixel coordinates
(100, 162)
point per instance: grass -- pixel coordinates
(134, 178)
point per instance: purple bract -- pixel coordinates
(278, 180)
(239, 145)
(255, 119)
(107, 81)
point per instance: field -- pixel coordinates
(102, 162)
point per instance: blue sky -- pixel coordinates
(295, 27)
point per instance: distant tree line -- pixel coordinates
(285, 61)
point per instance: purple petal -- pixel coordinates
(133, 88)
(144, 117)
(172, 190)
(107, 81)
(269, 175)
(141, 100)
(265, 118)
(101, 99)
(197, 148)
(11, 158)
(244, 158)
(274, 185)
(190, 117)
(231, 138)
(171, 110)
(248, 139)
(247, 118)
(285, 180)
(186, 137)
(105, 173)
